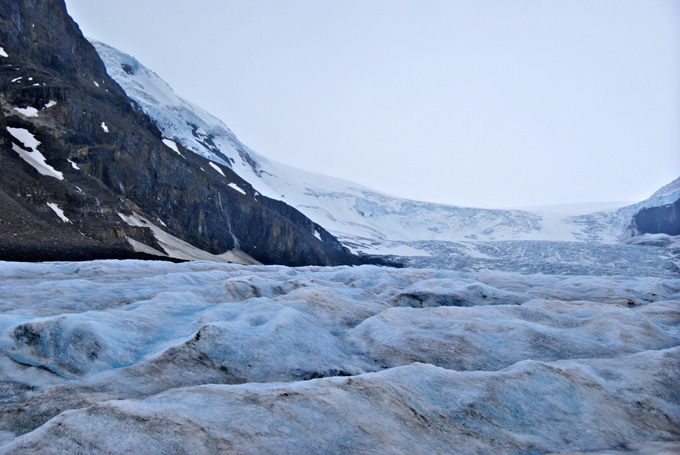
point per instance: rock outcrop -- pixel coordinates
(659, 220)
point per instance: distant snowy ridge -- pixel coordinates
(363, 219)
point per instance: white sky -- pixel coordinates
(480, 103)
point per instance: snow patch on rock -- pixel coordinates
(25, 136)
(32, 157)
(172, 145)
(177, 248)
(27, 111)
(234, 186)
(59, 212)
(217, 168)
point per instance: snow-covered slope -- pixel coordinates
(362, 218)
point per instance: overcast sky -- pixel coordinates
(480, 103)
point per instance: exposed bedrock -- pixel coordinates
(659, 220)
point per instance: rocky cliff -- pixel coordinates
(79, 159)
(659, 220)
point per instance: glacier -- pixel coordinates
(204, 357)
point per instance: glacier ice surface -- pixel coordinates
(204, 357)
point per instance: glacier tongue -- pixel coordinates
(203, 357)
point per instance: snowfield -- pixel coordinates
(203, 357)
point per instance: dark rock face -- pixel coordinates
(113, 161)
(659, 220)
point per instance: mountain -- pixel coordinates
(363, 219)
(87, 175)
(94, 169)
